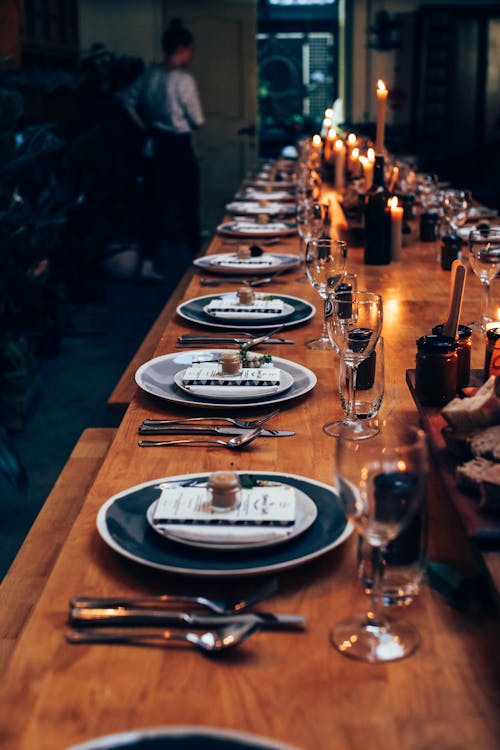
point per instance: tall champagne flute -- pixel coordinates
(484, 259)
(381, 486)
(354, 324)
(325, 266)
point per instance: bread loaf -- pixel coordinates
(486, 443)
(470, 474)
(480, 410)
(490, 488)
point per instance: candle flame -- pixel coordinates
(316, 140)
(401, 465)
(351, 139)
(329, 112)
(332, 134)
(355, 153)
(327, 122)
(371, 154)
(381, 85)
(392, 202)
(339, 144)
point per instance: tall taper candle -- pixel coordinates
(382, 94)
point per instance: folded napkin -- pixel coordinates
(233, 260)
(252, 227)
(209, 381)
(249, 207)
(262, 307)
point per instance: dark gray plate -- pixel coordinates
(192, 310)
(123, 525)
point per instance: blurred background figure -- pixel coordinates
(165, 103)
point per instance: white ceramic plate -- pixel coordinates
(286, 382)
(254, 208)
(157, 377)
(227, 263)
(305, 515)
(123, 526)
(252, 229)
(193, 310)
(257, 194)
(243, 316)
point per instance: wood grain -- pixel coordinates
(288, 686)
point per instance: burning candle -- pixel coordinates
(367, 166)
(339, 163)
(316, 141)
(396, 228)
(328, 149)
(382, 94)
(327, 124)
(371, 155)
(354, 162)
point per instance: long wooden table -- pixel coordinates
(292, 687)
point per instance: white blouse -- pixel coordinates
(165, 99)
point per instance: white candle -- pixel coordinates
(396, 228)
(354, 162)
(382, 94)
(339, 163)
(328, 149)
(367, 166)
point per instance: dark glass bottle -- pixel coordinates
(327, 222)
(377, 219)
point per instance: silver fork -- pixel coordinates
(226, 607)
(244, 423)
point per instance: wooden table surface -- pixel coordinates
(292, 687)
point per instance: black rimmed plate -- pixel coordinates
(181, 738)
(157, 377)
(253, 229)
(123, 525)
(193, 311)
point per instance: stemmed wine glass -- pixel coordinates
(309, 223)
(325, 266)
(484, 259)
(455, 204)
(381, 485)
(354, 324)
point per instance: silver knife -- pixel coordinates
(92, 616)
(194, 343)
(206, 430)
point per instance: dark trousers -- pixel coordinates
(171, 192)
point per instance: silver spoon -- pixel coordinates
(212, 641)
(235, 443)
(219, 606)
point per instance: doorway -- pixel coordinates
(298, 68)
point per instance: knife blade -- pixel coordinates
(92, 616)
(206, 430)
(193, 343)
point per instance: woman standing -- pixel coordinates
(164, 101)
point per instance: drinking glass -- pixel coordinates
(455, 204)
(369, 391)
(354, 325)
(381, 485)
(309, 223)
(484, 259)
(325, 266)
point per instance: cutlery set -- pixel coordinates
(140, 620)
(193, 340)
(242, 431)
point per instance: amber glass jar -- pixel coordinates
(492, 342)
(464, 351)
(436, 370)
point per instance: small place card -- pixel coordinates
(256, 376)
(258, 306)
(260, 506)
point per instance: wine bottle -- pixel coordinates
(327, 222)
(377, 219)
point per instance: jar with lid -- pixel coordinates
(451, 249)
(436, 370)
(464, 342)
(429, 223)
(492, 363)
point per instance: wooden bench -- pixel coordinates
(27, 576)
